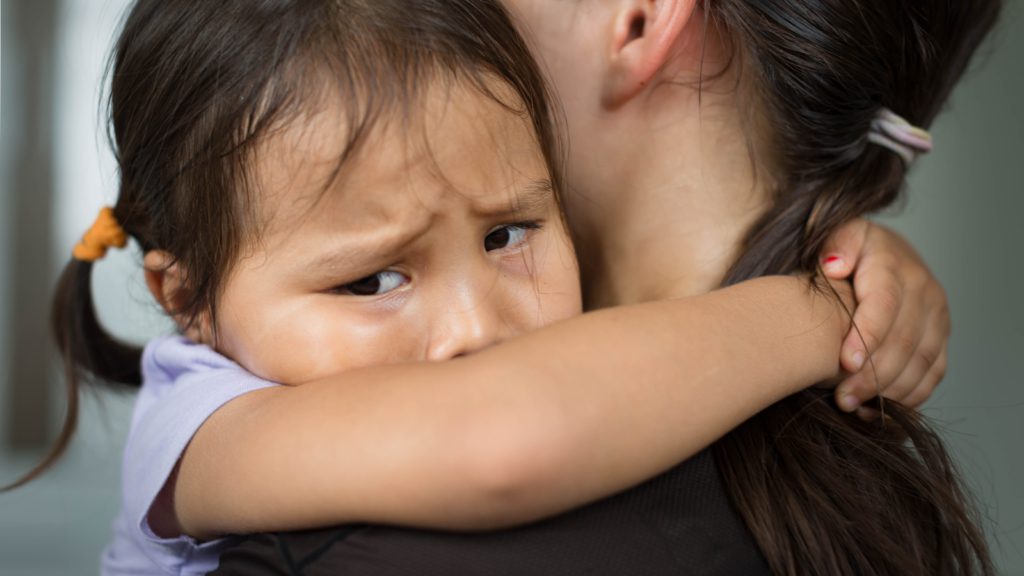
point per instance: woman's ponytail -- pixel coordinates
(824, 492)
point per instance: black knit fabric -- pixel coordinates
(680, 523)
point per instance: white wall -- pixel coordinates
(7, 123)
(74, 505)
(86, 177)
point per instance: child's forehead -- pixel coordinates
(456, 144)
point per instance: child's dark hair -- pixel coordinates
(196, 85)
(824, 492)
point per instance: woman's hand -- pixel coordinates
(901, 326)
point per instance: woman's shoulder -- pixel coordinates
(680, 523)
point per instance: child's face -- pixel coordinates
(437, 239)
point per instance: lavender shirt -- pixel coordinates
(183, 384)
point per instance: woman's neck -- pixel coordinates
(671, 224)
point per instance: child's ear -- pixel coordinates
(645, 34)
(165, 279)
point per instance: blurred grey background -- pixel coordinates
(965, 214)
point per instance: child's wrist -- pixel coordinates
(836, 299)
(819, 322)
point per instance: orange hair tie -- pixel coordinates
(104, 234)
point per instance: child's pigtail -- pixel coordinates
(87, 350)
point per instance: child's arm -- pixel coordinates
(537, 425)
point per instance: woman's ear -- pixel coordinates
(644, 37)
(165, 279)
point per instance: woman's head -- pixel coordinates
(826, 69)
(791, 85)
(323, 184)
(797, 84)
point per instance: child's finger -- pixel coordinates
(872, 322)
(926, 387)
(843, 249)
(868, 414)
(882, 305)
(925, 356)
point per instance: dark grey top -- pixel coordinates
(680, 523)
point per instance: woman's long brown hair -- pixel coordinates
(824, 492)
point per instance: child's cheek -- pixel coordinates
(330, 344)
(558, 280)
(519, 264)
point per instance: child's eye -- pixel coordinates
(508, 236)
(375, 285)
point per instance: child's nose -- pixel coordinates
(471, 324)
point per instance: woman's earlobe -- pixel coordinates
(646, 33)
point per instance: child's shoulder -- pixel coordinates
(183, 384)
(170, 357)
(177, 366)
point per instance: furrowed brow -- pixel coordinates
(359, 251)
(535, 197)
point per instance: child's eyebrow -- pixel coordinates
(362, 249)
(535, 197)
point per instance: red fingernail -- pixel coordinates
(831, 260)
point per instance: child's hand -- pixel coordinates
(902, 322)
